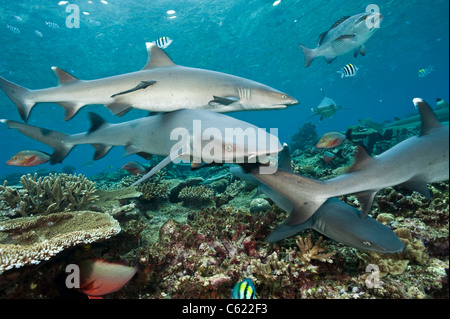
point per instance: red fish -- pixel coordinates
(99, 277)
(29, 158)
(328, 157)
(134, 168)
(331, 140)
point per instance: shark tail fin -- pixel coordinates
(56, 140)
(310, 55)
(20, 96)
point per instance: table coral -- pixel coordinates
(30, 240)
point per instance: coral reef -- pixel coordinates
(53, 193)
(30, 240)
(306, 137)
(196, 196)
(259, 205)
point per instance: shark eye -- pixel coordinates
(228, 148)
(366, 243)
(284, 97)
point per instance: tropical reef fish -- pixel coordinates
(413, 121)
(188, 88)
(29, 158)
(99, 277)
(331, 140)
(326, 108)
(343, 223)
(347, 35)
(328, 157)
(349, 70)
(179, 135)
(52, 25)
(425, 71)
(13, 29)
(412, 164)
(38, 33)
(163, 42)
(134, 168)
(244, 290)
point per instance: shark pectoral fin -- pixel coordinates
(101, 150)
(118, 109)
(63, 76)
(418, 186)
(284, 231)
(218, 100)
(132, 149)
(160, 166)
(71, 108)
(366, 201)
(140, 86)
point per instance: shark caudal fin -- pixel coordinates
(56, 140)
(20, 96)
(310, 55)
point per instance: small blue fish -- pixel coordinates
(244, 290)
(52, 25)
(13, 29)
(425, 71)
(349, 70)
(163, 42)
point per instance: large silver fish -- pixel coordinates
(347, 35)
(412, 164)
(161, 86)
(191, 135)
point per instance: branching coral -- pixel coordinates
(49, 194)
(308, 251)
(196, 195)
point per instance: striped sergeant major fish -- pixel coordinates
(163, 42)
(244, 290)
(425, 71)
(349, 70)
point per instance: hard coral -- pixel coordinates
(196, 195)
(49, 194)
(30, 240)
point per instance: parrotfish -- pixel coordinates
(346, 35)
(99, 277)
(161, 86)
(331, 140)
(29, 158)
(135, 168)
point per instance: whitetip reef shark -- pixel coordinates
(334, 218)
(161, 86)
(412, 164)
(190, 135)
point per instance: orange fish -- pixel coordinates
(29, 158)
(134, 168)
(331, 140)
(99, 277)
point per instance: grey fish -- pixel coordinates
(326, 108)
(346, 35)
(173, 87)
(179, 135)
(412, 164)
(334, 219)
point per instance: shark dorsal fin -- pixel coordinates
(63, 76)
(96, 122)
(156, 57)
(429, 120)
(284, 159)
(362, 159)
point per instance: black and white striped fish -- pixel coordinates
(163, 42)
(348, 71)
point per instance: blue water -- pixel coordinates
(252, 39)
